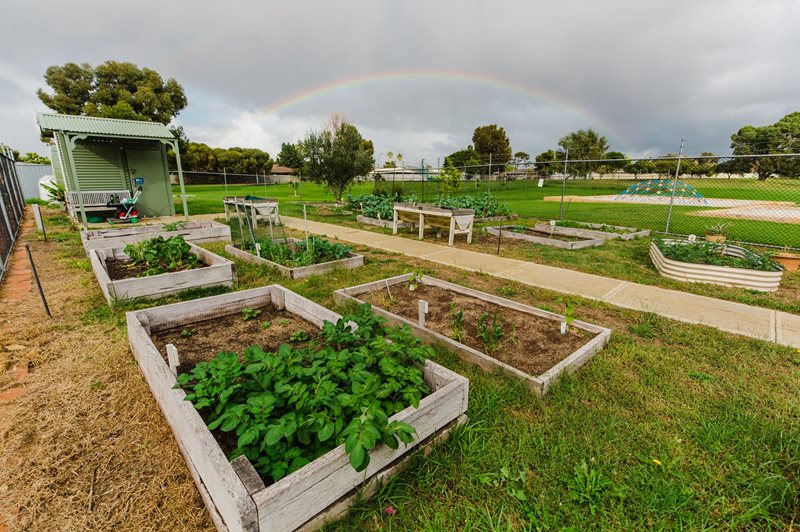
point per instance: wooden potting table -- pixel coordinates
(458, 221)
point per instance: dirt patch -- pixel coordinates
(124, 269)
(204, 340)
(544, 234)
(530, 343)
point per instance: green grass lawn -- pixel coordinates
(671, 426)
(526, 199)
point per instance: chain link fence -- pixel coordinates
(749, 198)
(11, 207)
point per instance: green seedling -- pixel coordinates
(283, 322)
(299, 336)
(490, 332)
(457, 322)
(266, 325)
(187, 333)
(250, 314)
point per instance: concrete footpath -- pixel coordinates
(756, 322)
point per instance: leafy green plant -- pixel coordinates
(588, 486)
(299, 336)
(415, 279)
(720, 229)
(457, 322)
(377, 205)
(55, 191)
(713, 254)
(173, 226)
(250, 314)
(490, 332)
(159, 255)
(514, 485)
(485, 204)
(187, 333)
(283, 322)
(315, 250)
(287, 408)
(266, 325)
(569, 314)
(507, 291)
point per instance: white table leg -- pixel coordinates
(452, 231)
(421, 226)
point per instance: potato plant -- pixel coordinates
(159, 255)
(287, 408)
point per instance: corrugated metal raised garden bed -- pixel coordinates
(766, 278)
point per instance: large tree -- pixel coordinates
(112, 90)
(337, 155)
(492, 140)
(781, 137)
(584, 144)
(468, 160)
(291, 156)
(547, 162)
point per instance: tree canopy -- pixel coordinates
(336, 155)
(30, 157)
(781, 137)
(584, 144)
(464, 159)
(112, 90)
(492, 139)
(291, 156)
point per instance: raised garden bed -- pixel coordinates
(546, 237)
(199, 231)
(766, 279)
(235, 494)
(591, 230)
(532, 347)
(458, 221)
(118, 279)
(353, 260)
(379, 222)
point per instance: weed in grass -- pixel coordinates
(513, 485)
(588, 486)
(97, 386)
(647, 327)
(490, 333)
(507, 291)
(63, 237)
(701, 376)
(457, 322)
(250, 314)
(80, 264)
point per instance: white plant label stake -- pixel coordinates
(423, 309)
(172, 358)
(258, 249)
(563, 327)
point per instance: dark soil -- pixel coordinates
(546, 234)
(123, 269)
(531, 344)
(204, 340)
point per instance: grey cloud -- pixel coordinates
(650, 72)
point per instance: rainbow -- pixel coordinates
(319, 91)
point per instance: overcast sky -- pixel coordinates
(417, 76)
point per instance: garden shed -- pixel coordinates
(97, 159)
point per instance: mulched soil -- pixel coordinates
(231, 333)
(546, 234)
(531, 344)
(123, 269)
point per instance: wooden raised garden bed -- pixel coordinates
(234, 493)
(590, 230)
(547, 237)
(533, 348)
(763, 281)
(353, 260)
(199, 231)
(118, 282)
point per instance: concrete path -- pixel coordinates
(756, 322)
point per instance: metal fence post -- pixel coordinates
(674, 186)
(563, 185)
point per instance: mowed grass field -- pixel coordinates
(527, 199)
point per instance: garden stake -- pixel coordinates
(172, 358)
(305, 217)
(499, 232)
(423, 309)
(37, 214)
(36, 278)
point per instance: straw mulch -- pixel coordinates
(85, 447)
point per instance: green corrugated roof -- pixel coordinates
(91, 125)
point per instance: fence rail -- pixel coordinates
(701, 194)
(12, 207)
